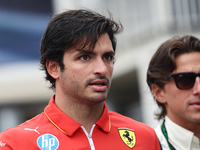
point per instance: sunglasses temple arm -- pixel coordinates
(167, 78)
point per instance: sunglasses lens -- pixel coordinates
(185, 81)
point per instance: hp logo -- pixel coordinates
(48, 142)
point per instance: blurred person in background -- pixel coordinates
(77, 55)
(173, 76)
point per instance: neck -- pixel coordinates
(195, 129)
(82, 113)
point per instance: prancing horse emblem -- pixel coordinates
(130, 139)
(127, 136)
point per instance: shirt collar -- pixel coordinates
(179, 136)
(104, 122)
(66, 124)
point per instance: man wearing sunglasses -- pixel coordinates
(173, 77)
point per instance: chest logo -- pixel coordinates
(35, 130)
(127, 136)
(47, 142)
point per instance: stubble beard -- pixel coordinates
(85, 95)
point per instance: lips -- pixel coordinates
(99, 85)
(195, 104)
(99, 82)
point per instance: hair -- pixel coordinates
(78, 29)
(163, 62)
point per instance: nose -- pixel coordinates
(196, 89)
(100, 67)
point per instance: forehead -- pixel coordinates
(103, 45)
(188, 62)
(90, 43)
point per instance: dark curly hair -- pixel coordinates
(77, 29)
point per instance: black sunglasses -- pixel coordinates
(184, 80)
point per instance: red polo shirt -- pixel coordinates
(54, 130)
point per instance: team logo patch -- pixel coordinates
(47, 142)
(127, 136)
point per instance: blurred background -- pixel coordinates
(147, 23)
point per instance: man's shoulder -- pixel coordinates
(24, 134)
(161, 137)
(121, 120)
(119, 117)
(128, 127)
(29, 125)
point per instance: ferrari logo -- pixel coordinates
(127, 136)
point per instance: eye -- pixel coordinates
(84, 57)
(108, 57)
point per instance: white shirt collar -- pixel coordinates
(180, 137)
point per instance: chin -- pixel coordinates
(96, 100)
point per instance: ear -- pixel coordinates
(159, 94)
(53, 68)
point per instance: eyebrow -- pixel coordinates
(81, 51)
(111, 52)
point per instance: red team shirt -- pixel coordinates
(54, 130)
